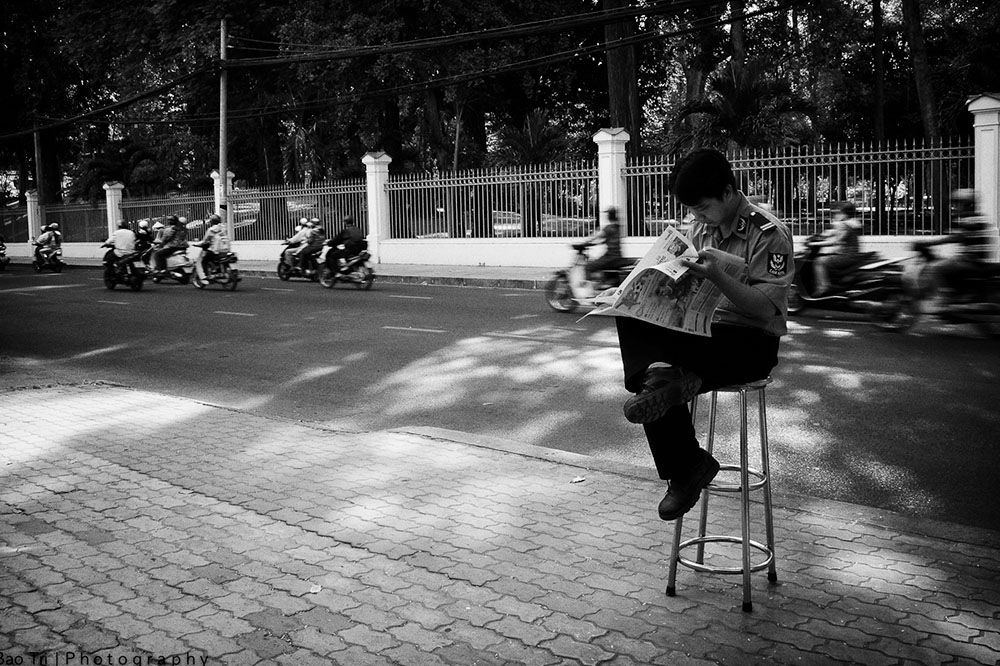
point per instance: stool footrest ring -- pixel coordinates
(760, 480)
(705, 568)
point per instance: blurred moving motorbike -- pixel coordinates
(570, 288)
(50, 259)
(287, 270)
(4, 259)
(179, 266)
(354, 269)
(123, 270)
(859, 287)
(975, 300)
(219, 270)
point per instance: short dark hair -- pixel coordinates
(701, 174)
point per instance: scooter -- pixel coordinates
(976, 301)
(50, 259)
(354, 270)
(4, 259)
(860, 287)
(570, 288)
(123, 270)
(179, 266)
(286, 271)
(219, 270)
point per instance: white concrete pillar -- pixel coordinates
(36, 217)
(217, 189)
(611, 188)
(113, 198)
(377, 171)
(985, 109)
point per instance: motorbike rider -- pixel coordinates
(312, 245)
(974, 236)
(48, 242)
(216, 240)
(143, 237)
(611, 236)
(172, 240)
(347, 243)
(295, 242)
(844, 240)
(122, 243)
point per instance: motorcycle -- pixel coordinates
(976, 302)
(123, 270)
(51, 259)
(860, 287)
(286, 270)
(570, 288)
(179, 266)
(355, 269)
(219, 270)
(4, 259)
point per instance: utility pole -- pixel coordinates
(223, 112)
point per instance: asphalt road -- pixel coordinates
(905, 423)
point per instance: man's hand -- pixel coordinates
(709, 265)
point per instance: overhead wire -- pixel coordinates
(541, 61)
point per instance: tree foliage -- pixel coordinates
(699, 73)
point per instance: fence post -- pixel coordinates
(986, 123)
(611, 189)
(35, 216)
(377, 172)
(113, 198)
(217, 189)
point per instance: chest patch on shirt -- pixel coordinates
(777, 263)
(741, 226)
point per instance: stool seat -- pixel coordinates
(750, 479)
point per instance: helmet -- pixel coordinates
(144, 224)
(53, 226)
(303, 220)
(314, 221)
(213, 220)
(157, 226)
(172, 219)
(348, 219)
(182, 220)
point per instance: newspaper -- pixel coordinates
(662, 291)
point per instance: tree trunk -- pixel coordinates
(623, 79)
(737, 37)
(921, 68)
(437, 143)
(878, 48)
(391, 134)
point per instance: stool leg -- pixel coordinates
(745, 501)
(709, 446)
(765, 466)
(675, 552)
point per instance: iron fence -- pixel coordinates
(271, 213)
(538, 201)
(79, 223)
(898, 189)
(196, 207)
(14, 224)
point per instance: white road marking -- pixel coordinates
(273, 289)
(44, 286)
(235, 314)
(420, 298)
(415, 330)
(114, 302)
(525, 316)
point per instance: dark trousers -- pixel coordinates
(733, 355)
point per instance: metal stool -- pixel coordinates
(749, 479)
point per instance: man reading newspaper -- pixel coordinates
(666, 367)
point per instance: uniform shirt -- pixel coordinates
(123, 241)
(765, 244)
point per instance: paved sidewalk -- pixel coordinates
(506, 277)
(141, 528)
